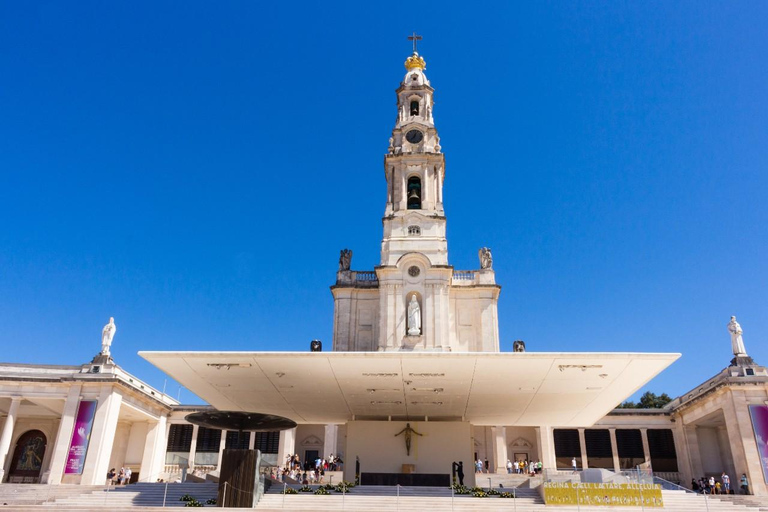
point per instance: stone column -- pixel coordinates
(546, 439)
(614, 450)
(500, 449)
(646, 446)
(694, 455)
(193, 447)
(222, 445)
(286, 446)
(746, 458)
(329, 443)
(153, 458)
(681, 452)
(583, 445)
(7, 434)
(102, 437)
(252, 441)
(64, 435)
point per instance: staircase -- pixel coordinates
(438, 499)
(140, 495)
(35, 494)
(758, 502)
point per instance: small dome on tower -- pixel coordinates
(415, 76)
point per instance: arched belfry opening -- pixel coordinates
(414, 193)
(414, 108)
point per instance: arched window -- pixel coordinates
(414, 193)
(414, 108)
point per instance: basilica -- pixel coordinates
(415, 349)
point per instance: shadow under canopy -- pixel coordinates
(240, 421)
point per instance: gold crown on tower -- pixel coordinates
(415, 62)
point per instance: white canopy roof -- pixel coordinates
(526, 389)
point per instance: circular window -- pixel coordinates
(414, 271)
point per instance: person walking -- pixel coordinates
(574, 465)
(509, 467)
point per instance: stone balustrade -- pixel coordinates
(357, 278)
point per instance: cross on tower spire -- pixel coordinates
(414, 38)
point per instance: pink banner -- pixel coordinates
(759, 415)
(81, 435)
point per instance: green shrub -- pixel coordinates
(306, 488)
(211, 501)
(322, 491)
(506, 495)
(193, 503)
(187, 497)
(290, 490)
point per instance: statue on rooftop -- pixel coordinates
(414, 317)
(345, 259)
(486, 258)
(737, 342)
(107, 334)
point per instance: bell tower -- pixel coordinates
(414, 299)
(414, 219)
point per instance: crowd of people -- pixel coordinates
(310, 472)
(121, 478)
(520, 467)
(710, 485)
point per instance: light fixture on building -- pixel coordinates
(227, 366)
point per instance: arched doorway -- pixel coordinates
(28, 457)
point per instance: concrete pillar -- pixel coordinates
(102, 437)
(681, 453)
(583, 445)
(546, 440)
(694, 455)
(222, 445)
(64, 435)
(193, 447)
(746, 457)
(153, 458)
(500, 454)
(646, 446)
(286, 446)
(252, 441)
(329, 443)
(7, 434)
(614, 450)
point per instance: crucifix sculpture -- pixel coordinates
(408, 431)
(414, 38)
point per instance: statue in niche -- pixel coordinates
(107, 334)
(486, 258)
(737, 342)
(414, 317)
(518, 346)
(345, 259)
(408, 431)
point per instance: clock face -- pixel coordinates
(414, 136)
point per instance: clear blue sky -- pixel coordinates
(193, 169)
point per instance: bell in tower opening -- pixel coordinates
(414, 108)
(414, 193)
